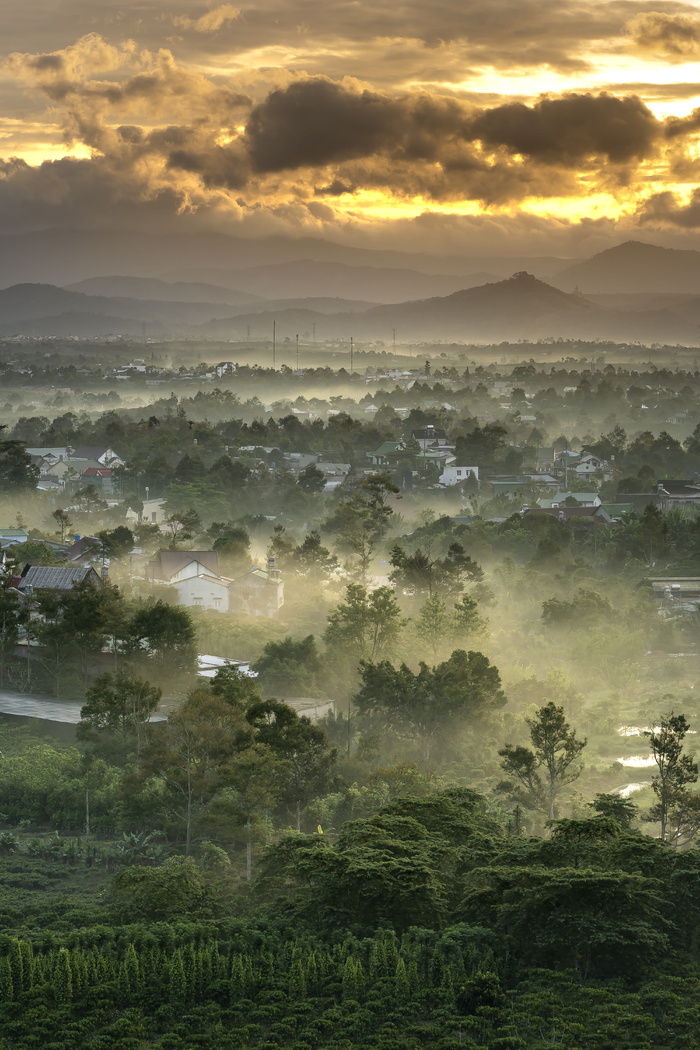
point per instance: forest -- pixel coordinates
(486, 833)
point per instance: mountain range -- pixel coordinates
(634, 292)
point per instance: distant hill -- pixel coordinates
(308, 278)
(322, 304)
(165, 291)
(634, 267)
(521, 307)
(25, 303)
(64, 257)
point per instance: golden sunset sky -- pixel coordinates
(548, 126)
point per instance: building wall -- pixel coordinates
(203, 593)
(254, 595)
(453, 475)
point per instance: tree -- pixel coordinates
(117, 542)
(63, 521)
(236, 688)
(17, 472)
(189, 756)
(232, 544)
(312, 560)
(311, 479)
(75, 627)
(118, 705)
(290, 667)
(432, 625)
(183, 525)
(430, 704)
(36, 552)
(13, 617)
(367, 624)
(361, 518)
(281, 546)
(89, 501)
(421, 575)
(305, 756)
(549, 766)
(164, 637)
(677, 810)
(172, 892)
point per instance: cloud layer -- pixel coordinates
(326, 116)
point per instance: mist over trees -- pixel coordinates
(447, 785)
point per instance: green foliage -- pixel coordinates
(367, 625)
(290, 668)
(17, 472)
(677, 810)
(118, 706)
(169, 893)
(162, 638)
(543, 770)
(427, 706)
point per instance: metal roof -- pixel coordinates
(57, 577)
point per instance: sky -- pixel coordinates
(466, 126)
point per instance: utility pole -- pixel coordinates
(352, 350)
(274, 343)
(297, 351)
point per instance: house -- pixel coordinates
(85, 550)
(225, 368)
(298, 461)
(259, 592)
(172, 566)
(616, 510)
(153, 513)
(386, 454)
(674, 493)
(203, 591)
(566, 515)
(56, 578)
(51, 455)
(589, 465)
(8, 537)
(429, 437)
(456, 475)
(679, 592)
(309, 707)
(101, 454)
(101, 477)
(209, 665)
(583, 499)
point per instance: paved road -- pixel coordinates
(51, 710)
(39, 707)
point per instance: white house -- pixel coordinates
(584, 499)
(153, 513)
(174, 566)
(102, 454)
(455, 475)
(588, 465)
(203, 592)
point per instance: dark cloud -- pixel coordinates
(316, 122)
(674, 37)
(568, 130)
(665, 209)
